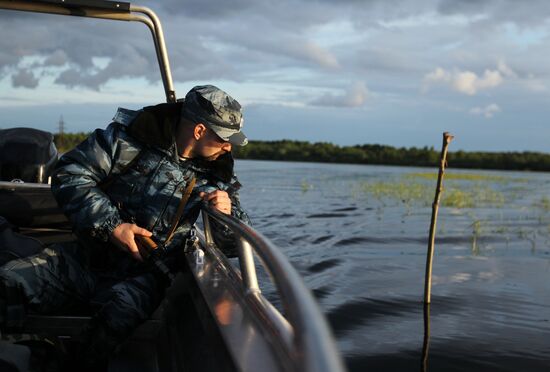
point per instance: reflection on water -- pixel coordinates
(360, 244)
(426, 343)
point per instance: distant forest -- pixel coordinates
(288, 150)
(66, 141)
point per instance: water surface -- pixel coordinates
(358, 236)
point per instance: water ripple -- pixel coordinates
(322, 239)
(324, 265)
(327, 215)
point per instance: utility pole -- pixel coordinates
(60, 131)
(61, 127)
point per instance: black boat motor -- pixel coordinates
(26, 155)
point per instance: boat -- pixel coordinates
(214, 316)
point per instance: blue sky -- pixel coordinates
(393, 72)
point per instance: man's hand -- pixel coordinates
(123, 236)
(218, 199)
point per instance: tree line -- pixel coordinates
(67, 141)
(288, 150)
(387, 155)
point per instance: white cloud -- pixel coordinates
(506, 70)
(488, 111)
(466, 82)
(534, 85)
(355, 96)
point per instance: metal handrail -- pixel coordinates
(313, 346)
(113, 10)
(160, 47)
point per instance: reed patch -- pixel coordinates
(420, 193)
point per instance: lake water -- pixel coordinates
(358, 236)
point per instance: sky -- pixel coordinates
(392, 72)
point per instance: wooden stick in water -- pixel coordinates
(447, 138)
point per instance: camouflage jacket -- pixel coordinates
(97, 190)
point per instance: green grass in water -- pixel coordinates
(544, 204)
(476, 196)
(420, 193)
(466, 177)
(305, 186)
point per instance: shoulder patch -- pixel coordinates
(124, 116)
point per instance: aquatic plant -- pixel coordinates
(456, 198)
(484, 195)
(305, 186)
(416, 193)
(530, 235)
(533, 240)
(544, 204)
(467, 177)
(403, 192)
(501, 230)
(476, 233)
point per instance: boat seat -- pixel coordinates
(27, 155)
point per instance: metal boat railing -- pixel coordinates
(113, 10)
(308, 338)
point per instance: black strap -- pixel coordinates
(179, 211)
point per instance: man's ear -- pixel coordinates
(199, 131)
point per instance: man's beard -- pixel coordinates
(215, 156)
(212, 157)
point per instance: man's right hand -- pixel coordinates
(123, 236)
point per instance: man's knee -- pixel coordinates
(22, 281)
(132, 302)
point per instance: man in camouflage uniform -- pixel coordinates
(124, 182)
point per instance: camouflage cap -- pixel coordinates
(217, 110)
